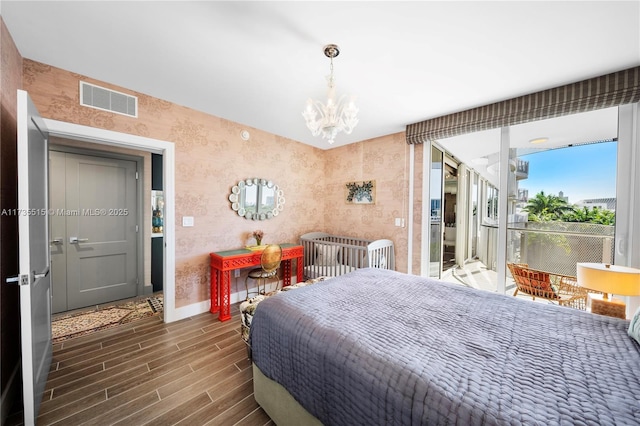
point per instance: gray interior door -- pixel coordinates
(34, 278)
(94, 238)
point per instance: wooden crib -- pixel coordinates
(327, 255)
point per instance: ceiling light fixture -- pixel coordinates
(336, 115)
(538, 140)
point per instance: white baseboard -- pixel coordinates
(190, 310)
(204, 306)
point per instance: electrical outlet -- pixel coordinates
(236, 273)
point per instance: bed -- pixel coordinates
(327, 255)
(378, 347)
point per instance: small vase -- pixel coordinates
(258, 242)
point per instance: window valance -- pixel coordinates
(609, 90)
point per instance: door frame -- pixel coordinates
(140, 272)
(627, 231)
(167, 150)
(427, 164)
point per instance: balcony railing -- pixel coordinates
(551, 246)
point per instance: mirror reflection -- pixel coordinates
(256, 199)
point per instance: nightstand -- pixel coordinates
(596, 304)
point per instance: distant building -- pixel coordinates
(523, 195)
(602, 203)
(562, 197)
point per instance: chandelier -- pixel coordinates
(336, 115)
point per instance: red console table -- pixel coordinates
(223, 262)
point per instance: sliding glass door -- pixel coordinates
(561, 197)
(475, 223)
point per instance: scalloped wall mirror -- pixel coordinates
(256, 199)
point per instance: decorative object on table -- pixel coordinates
(269, 263)
(336, 115)
(157, 219)
(607, 278)
(258, 235)
(361, 192)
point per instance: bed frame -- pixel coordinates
(327, 255)
(278, 403)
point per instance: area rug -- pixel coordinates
(83, 323)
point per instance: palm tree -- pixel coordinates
(547, 207)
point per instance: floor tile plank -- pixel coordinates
(220, 404)
(192, 371)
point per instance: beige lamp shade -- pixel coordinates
(612, 279)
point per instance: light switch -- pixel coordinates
(187, 220)
(398, 221)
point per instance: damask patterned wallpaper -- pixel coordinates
(384, 160)
(211, 157)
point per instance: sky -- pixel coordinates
(580, 172)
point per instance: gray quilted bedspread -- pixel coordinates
(378, 347)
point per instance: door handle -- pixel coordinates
(42, 275)
(76, 240)
(20, 279)
(56, 241)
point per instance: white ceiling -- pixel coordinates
(256, 63)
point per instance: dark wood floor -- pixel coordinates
(191, 372)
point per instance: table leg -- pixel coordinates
(215, 301)
(300, 268)
(225, 289)
(286, 280)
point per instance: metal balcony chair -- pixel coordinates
(270, 263)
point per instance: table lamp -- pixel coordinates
(607, 278)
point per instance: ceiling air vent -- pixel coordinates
(108, 100)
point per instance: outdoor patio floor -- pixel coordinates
(475, 274)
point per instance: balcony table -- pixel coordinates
(223, 262)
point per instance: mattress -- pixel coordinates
(378, 347)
